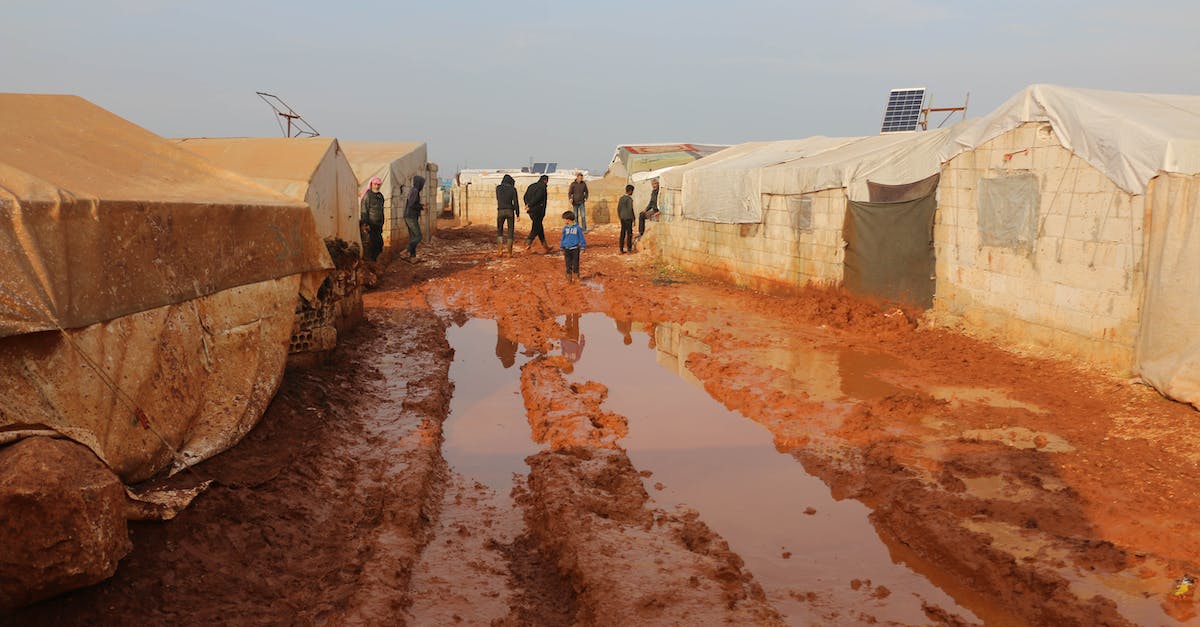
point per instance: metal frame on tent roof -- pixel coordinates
(283, 111)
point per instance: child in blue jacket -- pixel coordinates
(572, 243)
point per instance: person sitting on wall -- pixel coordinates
(651, 211)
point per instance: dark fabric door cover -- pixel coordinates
(889, 252)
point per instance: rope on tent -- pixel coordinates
(138, 413)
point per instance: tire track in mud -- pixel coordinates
(589, 523)
(586, 506)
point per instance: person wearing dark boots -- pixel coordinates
(625, 215)
(412, 215)
(535, 207)
(507, 212)
(572, 244)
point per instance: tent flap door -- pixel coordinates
(889, 250)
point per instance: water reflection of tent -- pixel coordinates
(169, 283)
(311, 169)
(1040, 215)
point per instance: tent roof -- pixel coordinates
(629, 159)
(379, 153)
(393, 162)
(100, 218)
(1128, 136)
(287, 158)
(56, 144)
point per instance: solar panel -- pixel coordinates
(552, 167)
(539, 168)
(903, 110)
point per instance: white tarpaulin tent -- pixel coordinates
(311, 169)
(1129, 137)
(1147, 144)
(728, 186)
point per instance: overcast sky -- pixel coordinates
(494, 84)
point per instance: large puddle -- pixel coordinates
(794, 536)
(813, 554)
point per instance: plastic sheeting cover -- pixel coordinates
(1008, 211)
(1129, 137)
(1168, 346)
(100, 218)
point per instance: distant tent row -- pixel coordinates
(1066, 218)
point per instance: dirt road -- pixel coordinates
(495, 446)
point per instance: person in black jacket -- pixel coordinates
(370, 219)
(535, 206)
(507, 212)
(412, 215)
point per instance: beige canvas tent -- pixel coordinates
(148, 295)
(395, 163)
(311, 169)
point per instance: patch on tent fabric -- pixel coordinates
(801, 212)
(1008, 211)
(889, 250)
(881, 192)
(749, 230)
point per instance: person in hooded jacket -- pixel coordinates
(535, 206)
(370, 219)
(507, 211)
(412, 215)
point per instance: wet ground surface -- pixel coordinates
(495, 446)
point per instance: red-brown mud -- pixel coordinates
(1030, 490)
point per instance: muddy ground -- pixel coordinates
(1002, 487)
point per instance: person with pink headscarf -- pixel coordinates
(370, 219)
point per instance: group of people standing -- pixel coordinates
(371, 214)
(535, 199)
(573, 240)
